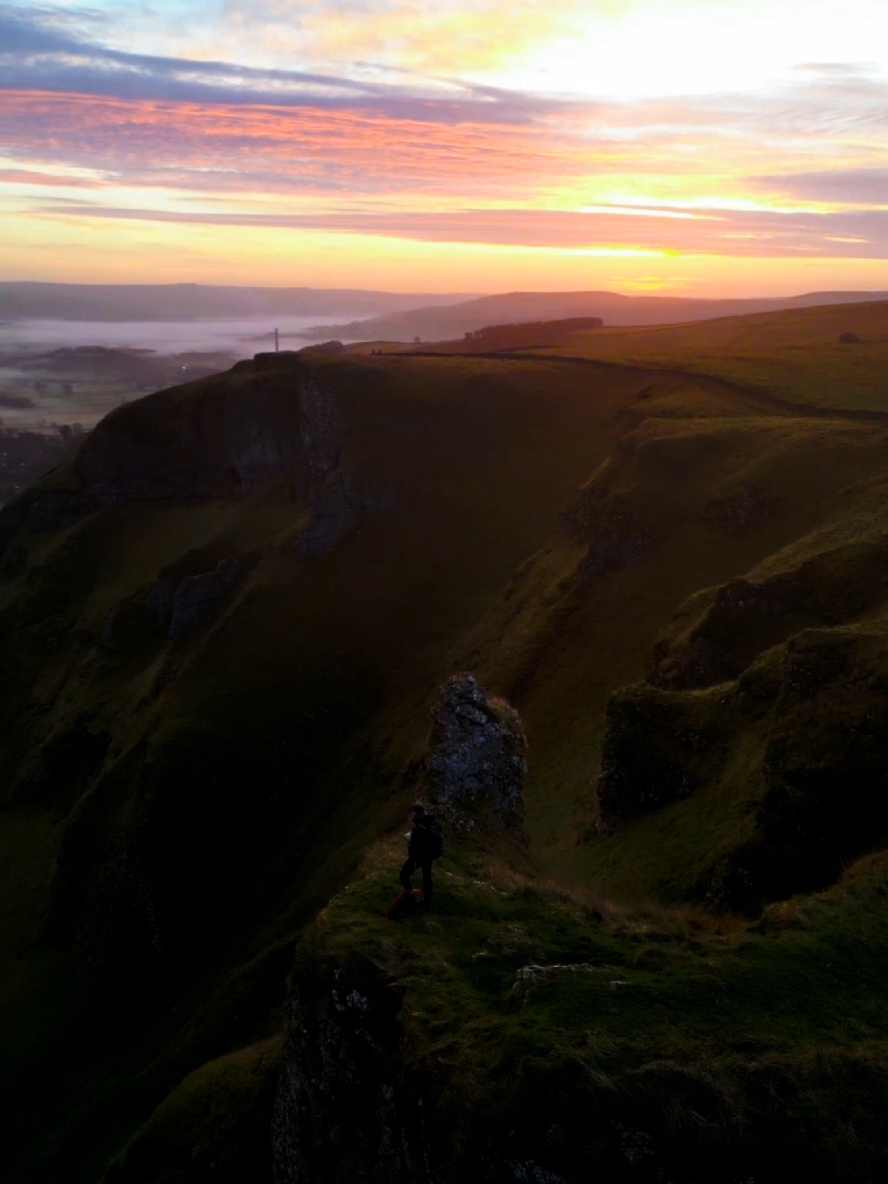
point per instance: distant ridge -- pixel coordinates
(20, 300)
(457, 319)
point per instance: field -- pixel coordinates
(793, 355)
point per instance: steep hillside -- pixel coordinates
(698, 548)
(224, 625)
(201, 615)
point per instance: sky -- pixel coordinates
(686, 147)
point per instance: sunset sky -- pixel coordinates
(684, 146)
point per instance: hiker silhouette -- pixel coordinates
(425, 844)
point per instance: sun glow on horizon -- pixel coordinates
(558, 136)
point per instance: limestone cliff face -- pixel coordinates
(477, 752)
(797, 721)
(339, 1105)
(271, 418)
(272, 421)
(357, 1100)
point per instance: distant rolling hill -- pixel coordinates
(455, 319)
(169, 302)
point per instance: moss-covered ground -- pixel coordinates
(658, 1040)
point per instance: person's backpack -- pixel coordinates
(435, 840)
(426, 840)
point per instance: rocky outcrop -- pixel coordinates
(738, 513)
(802, 727)
(357, 1098)
(339, 1112)
(337, 506)
(616, 536)
(477, 752)
(824, 770)
(221, 437)
(658, 747)
(715, 635)
(195, 595)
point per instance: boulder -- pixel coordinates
(477, 752)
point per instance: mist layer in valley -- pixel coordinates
(59, 376)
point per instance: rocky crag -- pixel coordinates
(476, 761)
(349, 1099)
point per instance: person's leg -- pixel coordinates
(427, 885)
(406, 876)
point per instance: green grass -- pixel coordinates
(671, 1013)
(794, 355)
(212, 1127)
(241, 753)
(250, 764)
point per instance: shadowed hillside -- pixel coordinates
(200, 616)
(224, 624)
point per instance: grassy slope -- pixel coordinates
(681, 1047)
(794, 354)
(268, 691)
(335, 686)
(559, 646)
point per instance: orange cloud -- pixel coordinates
(314, 149)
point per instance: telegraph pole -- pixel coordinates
(277, 342)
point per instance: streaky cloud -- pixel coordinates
(37, 55)
(862, 235)
(867, 186)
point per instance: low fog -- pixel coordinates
(58, 378)
(242, 336)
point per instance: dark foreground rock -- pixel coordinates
(477, 754)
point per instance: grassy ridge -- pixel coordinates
(795, 354)
(658, 1041)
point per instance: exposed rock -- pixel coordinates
(359, 1099)
(223, 438)
(319, 428)
(740, 512)
(476, 755)
(617, 538)
(337, 507)
(337, 1111)
(716, 634)
(196, 594)
(335, 511)
(804, 725)
(534, 972)
(824, 769)
(658, 747)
